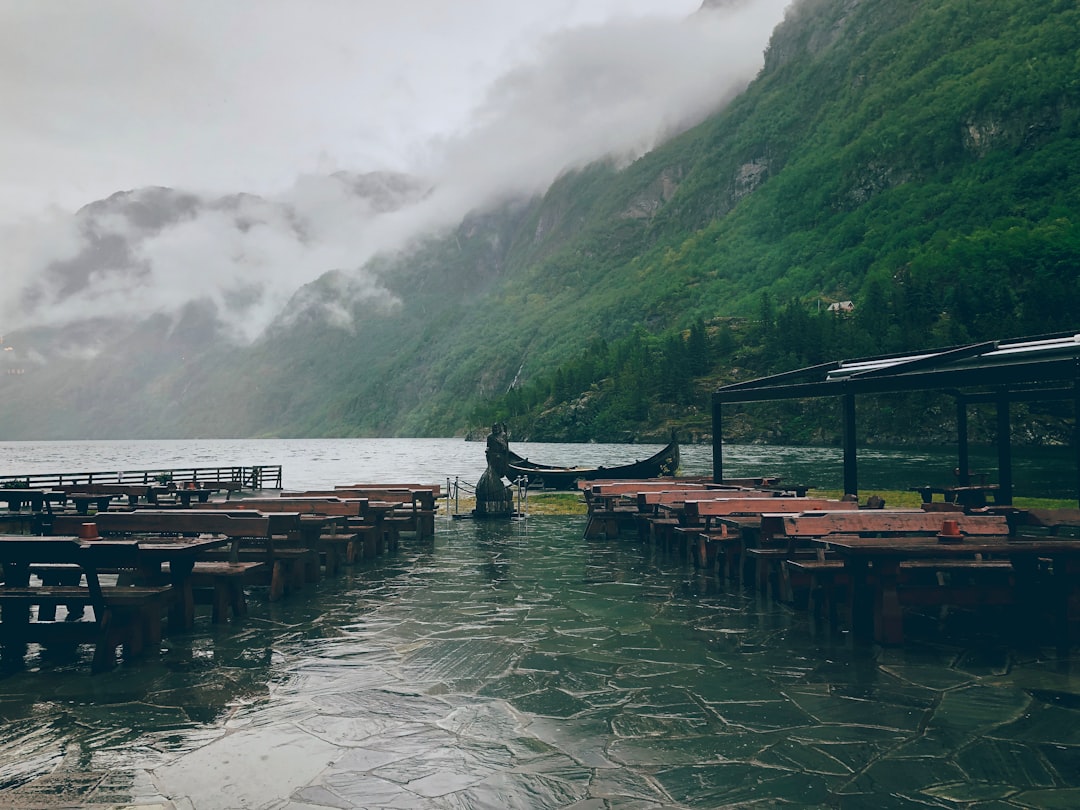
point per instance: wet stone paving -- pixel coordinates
(516, 665)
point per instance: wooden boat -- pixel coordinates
(663, 463)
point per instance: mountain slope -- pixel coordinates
(916, 156)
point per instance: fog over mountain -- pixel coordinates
(600, 85)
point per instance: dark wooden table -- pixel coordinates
(873, 564)
(185, 495)
(39, 499)
(83, 501)
(180, 553)
(123, 615)
(970, 496)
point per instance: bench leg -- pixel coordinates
(47, 613)
(277, 580)
(735, 562)
(105, 647)
(220, 602)
(702, 553)
(426, 525)
(311, 567)
(393, 538)
(237, 598)
(888, 614)
(333, 559)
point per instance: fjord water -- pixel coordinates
(516, 665)
(317, 463)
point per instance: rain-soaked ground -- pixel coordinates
(518, 666)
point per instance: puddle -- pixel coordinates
(520, 666)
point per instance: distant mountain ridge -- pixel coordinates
(918, 157)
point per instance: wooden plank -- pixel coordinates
(878, 521)
(165, 521)
(756, 505)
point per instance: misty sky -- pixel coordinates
(479, 97)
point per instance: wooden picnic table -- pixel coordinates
(972, 496)
(225, 576)
(783, 537)
(133, 492)
(185, 495)
(421, 497)
(650, 512)
(83, 501)
(123, 615)
(39, 499)
(180, 555)
(873, 565)
(229, 487)
(375, 518)
(332, 506)
(416, 505)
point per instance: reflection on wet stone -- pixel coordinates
(518, 666)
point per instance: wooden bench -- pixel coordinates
(879, 523)
(331, 506)
(39, 500)
(133, 492)
(346, 521)
(943, 583)
(793, 579)
(250, 560)
(892, 572)
(417, 513)
(664, 506)
(348, 532)
(782, 536)
(1053, 522)
(83, 501)
(699, 519)
(127, 616)
(658, 524)
(291, 549)
(434, 489)
(228, 487)
(972, 496)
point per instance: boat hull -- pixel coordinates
(543, 476)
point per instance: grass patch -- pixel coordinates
(539, 503)
(556, 503)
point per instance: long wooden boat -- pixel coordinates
(663, 463)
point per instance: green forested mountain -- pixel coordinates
(919, 158)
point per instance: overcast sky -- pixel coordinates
(228, 95)
(224, 96)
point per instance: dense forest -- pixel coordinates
(917, 158)
(926, 175)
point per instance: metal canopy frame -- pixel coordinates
(1046, 367)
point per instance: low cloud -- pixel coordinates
(582, 94)
(613, 90)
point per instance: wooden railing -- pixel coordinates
(267, 476)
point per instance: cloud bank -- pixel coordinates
(601, 86)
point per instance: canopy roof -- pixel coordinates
(1002, 371)
(1024, 369)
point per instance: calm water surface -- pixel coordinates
(310, 463)
(515, 665)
